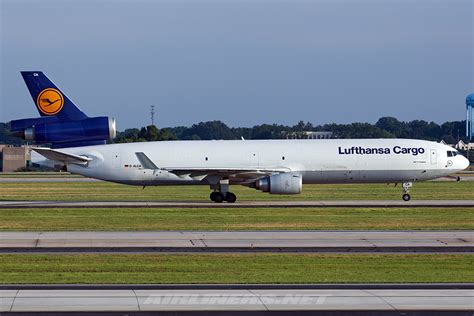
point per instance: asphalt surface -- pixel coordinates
(138, 300)
(235, 286)
(239, 204)
(238, 241)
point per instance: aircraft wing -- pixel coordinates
(230, 172)
(60, 156)
(243, 174)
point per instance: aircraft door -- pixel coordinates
(433, 156)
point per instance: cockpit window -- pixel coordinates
(452, 153)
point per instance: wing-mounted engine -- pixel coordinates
(89, 131)
(280, 183)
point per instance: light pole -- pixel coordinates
(152, 113)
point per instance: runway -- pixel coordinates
(238, 204)
(248, 301)
(239, 241)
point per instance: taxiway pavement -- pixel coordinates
(239, 241)
(251, 300)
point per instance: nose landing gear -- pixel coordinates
(406, 187)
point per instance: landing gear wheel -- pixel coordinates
(406, 187)
(230, 197)
(218, 197)
(213, 196)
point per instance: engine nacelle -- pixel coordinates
(90, 129)
(281, 183)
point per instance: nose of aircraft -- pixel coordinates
(464, 163)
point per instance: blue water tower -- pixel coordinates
(469, 118)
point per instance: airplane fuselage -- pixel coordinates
(318, 161)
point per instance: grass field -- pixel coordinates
(236, 219)
(38, 175)
(236, 268)
(103, 191)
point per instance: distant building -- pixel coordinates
(460, 145)
(309, 135)
(463, 146)
(14, 158)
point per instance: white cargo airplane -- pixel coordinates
(274, 166)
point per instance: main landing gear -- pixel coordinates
(220, 197)
(221, 192)
(406, 187)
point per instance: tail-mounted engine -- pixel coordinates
(89, 131)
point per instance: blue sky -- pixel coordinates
(243, 62)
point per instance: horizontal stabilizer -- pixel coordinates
(60, 156)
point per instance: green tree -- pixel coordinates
(393, 126)
(7, 137)
(209, 130)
